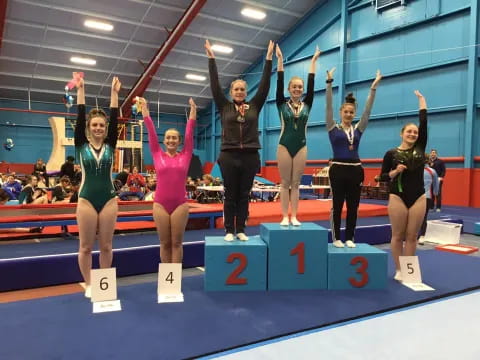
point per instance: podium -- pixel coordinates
(235, 265)
(291, 258)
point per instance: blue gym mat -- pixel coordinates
(64, 327)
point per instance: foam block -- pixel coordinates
(363, 267)
(476, 228)
(236, 265)
(297, 256)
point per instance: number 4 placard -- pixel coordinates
(104, 290)
(170, 283)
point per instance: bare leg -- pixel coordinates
(415, 219)
(285, 165)
(178, 221)
(398, 214)
(87, 219)
(162, 222)
(297, 172)
(106, 227)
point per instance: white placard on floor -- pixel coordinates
(104, 284)
(170, 283)
(106, 306)
(411, 274)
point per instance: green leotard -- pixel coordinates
(294, 123)
(96, 186)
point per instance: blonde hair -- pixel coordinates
(237, 80)
(96, 112)
(294, 78)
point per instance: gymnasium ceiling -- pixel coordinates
(41, 36)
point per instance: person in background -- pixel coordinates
(12, 187)
(40, 171)
(63, 191)
(4, 197)
(68, 168)
(439, 166)
(122, 176)
(135, 183)
(31, 193)
(431, 182)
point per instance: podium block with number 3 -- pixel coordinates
(236, 265)
(104, 284)
(297, 256)
(362, 267)
(170, 283)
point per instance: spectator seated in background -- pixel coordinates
(31, 193)
(75, 187)
(150, 188)
(12, 187)
(217, 181)
(40, 171)
(4, 197)
(122, 176)
(63, 191)
(67, 168)
(135, 183)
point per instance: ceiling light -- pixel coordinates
(253, 13)
(82, 61)
(196, 77)
(222, 48)
(99, 25)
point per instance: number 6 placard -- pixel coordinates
(104, 284)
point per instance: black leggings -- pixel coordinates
(238, 171)
(345, 182)
(423, 229)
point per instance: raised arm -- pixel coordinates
(329, 100)
(280, 98)
(152, 133)
(311, 79)
(79, 136)
(217, 93)
(362, 124)
(264, 85)
(190, 130)
(113, 124)
(422, 115)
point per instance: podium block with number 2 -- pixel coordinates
(363, 267)
(297, 256)
(236, 265)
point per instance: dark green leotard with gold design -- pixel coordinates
(294, 121)
(97, 186)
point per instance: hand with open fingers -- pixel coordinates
(330, 73)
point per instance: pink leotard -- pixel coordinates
(171, 171)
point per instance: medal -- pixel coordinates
(241, 110)
(350, 136)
